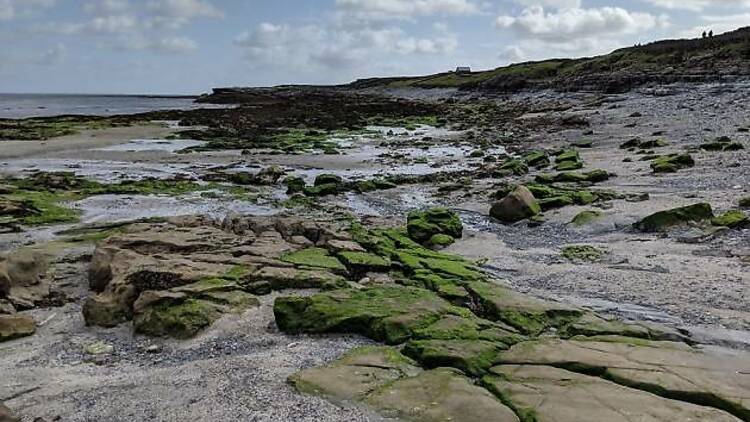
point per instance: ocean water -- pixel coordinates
(18, 106)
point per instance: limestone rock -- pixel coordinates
(666, 219)
(23, 278)
(517, 206)
(712, 377)
(16, 326)
(544, 393)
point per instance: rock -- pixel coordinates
(734, 219)
(664, 220)
(439, 395)
(356, 374)
(6, 415)
(16, 326)
(537, 159)
(672, 163)
(709, 377)
(362, 262)
(472, 357)
(316, 258)
(526, 314)
(595, 176)
(515, 207)
(389, 314)
(568, 160)
(586, 217)
(99, 348)
(744, 202)
(328, 179)
(23, 278)
(517, 167)
(294, 184)
(544, 393)
(423, 225)
(583, 253)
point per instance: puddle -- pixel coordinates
(119, 208)
(98, 170)
(162, 145)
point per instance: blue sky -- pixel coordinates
(189, 46)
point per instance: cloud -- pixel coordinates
(698, 5)
(172, 45)
(403, 9)
(11, 9)
(555, 4)
(334, 47)
(716, 23)
(184, 9)
(577, 23)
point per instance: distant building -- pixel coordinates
(463, 70)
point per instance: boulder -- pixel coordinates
(423, 225)
(16, 326)
(734, 219)
(664, 220)
(517, 206)
(672, 163)
(23, 278)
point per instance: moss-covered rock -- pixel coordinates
(179, 318)
(586, 217)
(294, 184)
(518, 205)
(360, 262)
(595, 176)
(517, 167)
(723, 143)
(568, 161)
(537, 159)
(423, 225)
(473, 357)
(440, 240)
(316, 258)
(328, 179)
(733, 219)
(672, 163)
(664, 220)
(744, 202)
(526, 314)
(583, 253)
(389, 314)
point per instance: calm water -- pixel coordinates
(15, 106)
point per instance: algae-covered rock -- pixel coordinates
(517, 167)
(328, 179)
(423, 225)
(733, 219)
(664, 220)
(517, 206)
(294, 184)
(359, 262)
(586, 217)
(583, 253)
(672, 163)
(439, 395)
(441, 240)
(389, 314)
(16, 326)
(544, 393)
(526, 314)
(594, 176)
(314, 257)
(537, 159)
(744, 202)
(473, 357)
(568, 160)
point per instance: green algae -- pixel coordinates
(664, 220)
(733, 219)
(314, 257)
(585, 253)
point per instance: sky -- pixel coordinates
(190, 46)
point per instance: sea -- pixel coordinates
(19, 106)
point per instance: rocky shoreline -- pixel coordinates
(539, 257)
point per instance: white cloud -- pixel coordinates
(184, 9)
(333, 47)
(10, 9)
(106, 7)
(717, 23)
(698, 5)
(574, 24)
(55, 55)
(556, 4)
(400, 9)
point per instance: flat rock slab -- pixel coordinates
(16, 326)
(545, 394)
(718, 378)
(393, 385)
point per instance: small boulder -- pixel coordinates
(665, 219)
(423, 225)
(517, 206)
(734, 219)
(16, 326)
